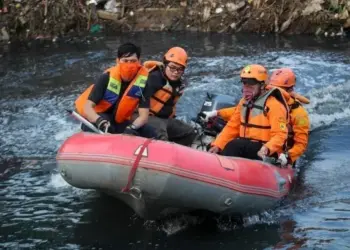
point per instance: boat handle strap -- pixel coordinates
(133, 170)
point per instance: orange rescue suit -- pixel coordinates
(299, 128)
(130, 98)
(265, 121)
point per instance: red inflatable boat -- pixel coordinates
(157, 178)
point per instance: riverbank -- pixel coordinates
(49, 19)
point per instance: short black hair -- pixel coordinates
(127, 49)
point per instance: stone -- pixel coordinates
(347, 24)
(232, 7)
(313, 7)
(219, 10)
(334, 3)
(206, 13)
(344, 15)
(4, 35)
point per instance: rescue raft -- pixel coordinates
(157, 178)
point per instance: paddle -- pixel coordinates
(83, 120)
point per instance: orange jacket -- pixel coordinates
(129, 101)
(298, 135)
(159, 98)
(226, 113)
(266, 122)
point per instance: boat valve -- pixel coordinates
(136, 193)
(228, 202)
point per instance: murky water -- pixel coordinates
(38, 210)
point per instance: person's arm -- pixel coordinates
(277, 116)
(301, 127)
(95, 97)
(231, 130)
(226, 113)
(152, 86)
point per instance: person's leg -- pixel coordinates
(242, 148)
(147, 131)
(234, 148)
(180, 132)
(158, 127)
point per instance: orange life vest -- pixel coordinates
(159, 99)
(254, 122)
(129, 101)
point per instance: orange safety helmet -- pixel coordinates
(283, 77)
(254, 72)
(176, 55)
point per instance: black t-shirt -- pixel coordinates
(155, 82)
(100, 87)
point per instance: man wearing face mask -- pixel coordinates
(111, 101)
(258, 125)
(165, 87)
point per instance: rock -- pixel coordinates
(341, 32)
(233, 26)
(108, 15)
(334, 3)
(344, 15)
(206, 13)
(348, 5)
(4, 35)
(232, 7)
(318, 31)
(219, 10)
(347, 24)
(287, 23)
(313, 7)
(112, 6)
(183, 3)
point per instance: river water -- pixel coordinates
(39, 210)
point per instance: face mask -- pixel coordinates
(129, 70)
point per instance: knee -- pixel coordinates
(233, 148)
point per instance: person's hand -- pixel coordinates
(129, 130)
(283, 159)
(206, 115)
(102, 124)
(263, 152)
(214, 150)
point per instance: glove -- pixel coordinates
(263, 152)
(283, 159)
(102, 124)
(206, 115)
(129, 130)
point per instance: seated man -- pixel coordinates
(111, 101)
(258, 126)
(299, 125)
(165, 87)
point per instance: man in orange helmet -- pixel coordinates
(258, 125)
(111, 101)
(165, 87)
(299, 125)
